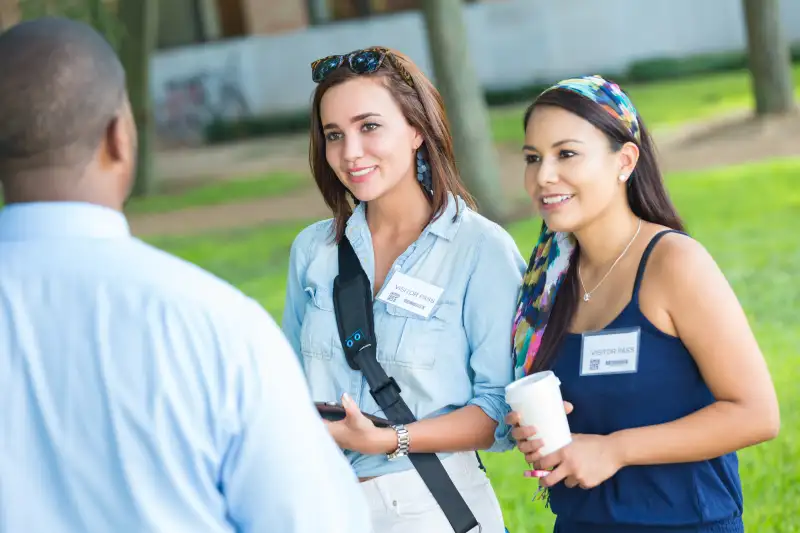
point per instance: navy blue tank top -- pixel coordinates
(695, 497)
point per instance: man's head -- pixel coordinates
(66, 129)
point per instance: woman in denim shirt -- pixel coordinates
(380, 137)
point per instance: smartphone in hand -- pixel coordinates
(334, 412)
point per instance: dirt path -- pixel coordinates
(729, 140)
(181, 167)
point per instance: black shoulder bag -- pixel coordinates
(352, 302)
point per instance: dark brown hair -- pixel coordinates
(423, 108)
(646, 193)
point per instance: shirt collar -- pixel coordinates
(445, 226)
(54, 220)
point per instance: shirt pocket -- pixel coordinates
(319, 325)
(417, 339)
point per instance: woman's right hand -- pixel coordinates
(521, 434)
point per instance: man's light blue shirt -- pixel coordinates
(460, 355)
(141, 394)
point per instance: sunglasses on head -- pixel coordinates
(360, 61)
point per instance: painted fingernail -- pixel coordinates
(536, 473)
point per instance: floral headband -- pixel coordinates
(608, 95)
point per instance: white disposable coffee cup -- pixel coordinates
(537, 398)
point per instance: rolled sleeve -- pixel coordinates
(489, 308)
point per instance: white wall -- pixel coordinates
(512, 43)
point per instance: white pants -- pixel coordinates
(402, 503)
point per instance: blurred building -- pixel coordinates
(248, 61)
(187, 22)
(225, 19)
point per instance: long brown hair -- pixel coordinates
(422, 107)
(647, 198)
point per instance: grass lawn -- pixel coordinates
(747, 216)
(663, 103)
(221, 192)
(216, 193)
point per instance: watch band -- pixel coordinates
(403, 443)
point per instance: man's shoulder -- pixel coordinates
(178, 280)
(198, 297)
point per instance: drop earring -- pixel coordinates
(424, 174)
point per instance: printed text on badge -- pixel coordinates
(610, 352)
(411, 294)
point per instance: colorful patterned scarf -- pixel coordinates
(552, 254)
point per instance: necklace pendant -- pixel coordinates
(586, 297)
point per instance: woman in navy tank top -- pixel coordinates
(648, 340)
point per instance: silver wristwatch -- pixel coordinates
(403, 442)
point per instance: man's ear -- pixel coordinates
(118, 142)
(120, 136)
(113, 141)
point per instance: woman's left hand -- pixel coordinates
(586, 462)
(357, 433)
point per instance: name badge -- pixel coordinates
(411, 294)
(614, 351)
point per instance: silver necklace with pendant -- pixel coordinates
(588, 294)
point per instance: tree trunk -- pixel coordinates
(210, 26)
(363, 8)
(457, 80)
(318, 12)
(95, 12)
(9, 13)
(139, 19)
(769, 57)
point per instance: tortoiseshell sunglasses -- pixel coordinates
(360, 61)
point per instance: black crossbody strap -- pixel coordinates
(352, 302)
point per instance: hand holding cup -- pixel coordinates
(525, 437)
(539, 415)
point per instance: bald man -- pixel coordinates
(138, 393)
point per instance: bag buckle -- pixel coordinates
(389, 390)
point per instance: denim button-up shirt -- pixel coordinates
(460, 355)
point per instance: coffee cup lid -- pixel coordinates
(533, 378)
